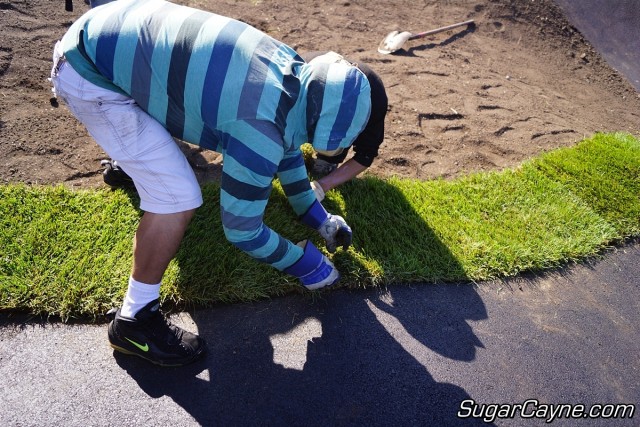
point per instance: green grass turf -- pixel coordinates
(68, 253)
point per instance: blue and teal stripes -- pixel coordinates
(226, 86)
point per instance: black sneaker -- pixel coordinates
(151, 336)
(114, 176)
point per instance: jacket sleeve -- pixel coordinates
(292, 173)
(252, 153)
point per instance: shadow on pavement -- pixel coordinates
(352, 358)
(342, 358)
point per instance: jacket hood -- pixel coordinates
(338, 102)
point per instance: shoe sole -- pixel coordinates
(157, 362)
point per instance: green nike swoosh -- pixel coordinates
(140, 346)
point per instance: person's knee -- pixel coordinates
(187, 215)
(180, 218)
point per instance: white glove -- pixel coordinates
(314, 269)
(317, 188)
(333, 228)
(335, 231)
(323, 276)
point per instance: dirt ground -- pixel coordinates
(520, 82)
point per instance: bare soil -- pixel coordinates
(520, 82)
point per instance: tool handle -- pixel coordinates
(439, 30)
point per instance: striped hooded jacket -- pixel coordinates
(223, 85)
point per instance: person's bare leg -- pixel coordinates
(139, 327)
(156, 242)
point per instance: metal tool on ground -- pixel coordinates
(395, 39)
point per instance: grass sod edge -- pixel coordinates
(67, 252)
(605, 175)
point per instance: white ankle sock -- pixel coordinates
(138, 295)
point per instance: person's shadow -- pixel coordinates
(361, 365)
(343, 357)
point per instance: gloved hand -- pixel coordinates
(314, 270)
(333, 228)
(336, 232)
(322, 168)
(317, 188)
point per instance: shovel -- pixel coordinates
(396, 39)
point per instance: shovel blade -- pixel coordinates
(393, 42)
(395, 39)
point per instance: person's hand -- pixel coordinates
(314, 269)
(336, 232)
(322, 168)
(333, 228)
(317, 188)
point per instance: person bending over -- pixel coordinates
(139, 73)
(329, 169)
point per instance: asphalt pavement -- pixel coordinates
(403, 356)
(612, 27)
